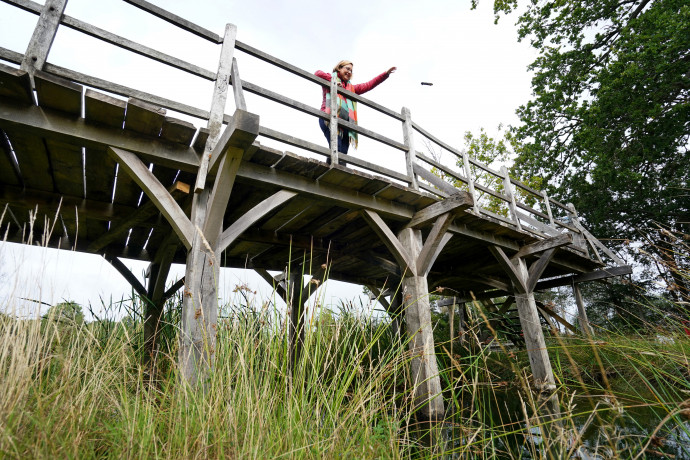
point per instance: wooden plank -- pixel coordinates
(125, 91)
(334, 225)
(137, 48)
(288, 213)
(67, 168)
(157, 193)
(401, 255)
(266, 206)
(178, 131)
(144, 118)
(176, 20)
(435, 180)
(32, 159)
(57, 93)
(538, 247)
(39, 123)
(582, 311)
(591, 276)
(15, 84)
(103, 109)
(100, 176)
(42, 39)
(453, 204)
(48, 202)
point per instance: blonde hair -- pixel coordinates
(342, 64)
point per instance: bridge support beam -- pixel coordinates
(424, 369)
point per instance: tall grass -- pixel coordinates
(80, 390)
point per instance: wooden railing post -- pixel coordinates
(470, 181)
(334, 119)
(548, 208)
(410, 153)
(578, 238)
(220, 97)
(43, 36)
(508, 187)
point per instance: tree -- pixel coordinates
(69, 312)
(609, 123)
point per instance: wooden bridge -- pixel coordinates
(116, 176)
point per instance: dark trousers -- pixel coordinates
(343, 140)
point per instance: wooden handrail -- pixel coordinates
(408, 124)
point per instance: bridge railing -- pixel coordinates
(497, 195)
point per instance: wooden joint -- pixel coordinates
(454, 204)
(543, 245)
(401, 255)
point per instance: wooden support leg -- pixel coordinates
(156, 298)
(418, 322)
(534, 340)
(296, 309)
(584, 321)
(199, 305)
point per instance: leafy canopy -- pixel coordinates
(609, 123)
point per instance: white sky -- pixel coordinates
(478, 71)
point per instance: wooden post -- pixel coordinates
(296, 325)
(524, 281)
(334, 119)
(470, 181)
(43, 36)
(578, 238)
(199, 304)
(584, 321)
(512, 206)
(547, 205)
(410, 153)
(220, 97)
(424, 369)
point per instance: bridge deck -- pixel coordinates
(61, 157)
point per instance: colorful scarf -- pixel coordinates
(351, 107)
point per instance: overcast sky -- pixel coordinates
(478, 71)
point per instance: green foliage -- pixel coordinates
(67, 312)
(608, 125)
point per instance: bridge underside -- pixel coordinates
(56, 161)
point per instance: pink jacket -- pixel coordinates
(360, 88)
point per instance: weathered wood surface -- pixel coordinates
(326, 209)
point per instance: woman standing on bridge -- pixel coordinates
(347, 109)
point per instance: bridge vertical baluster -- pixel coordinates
(237, 90)
(470, 181)
(220, 97)
(578, 237)
(548, 208)
(43, 36)
(410, 153)
(334, 119)
(508, 187)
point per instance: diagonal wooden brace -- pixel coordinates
(165, 203)
(401, 255)
(237, 137)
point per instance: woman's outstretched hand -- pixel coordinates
(391, 70)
